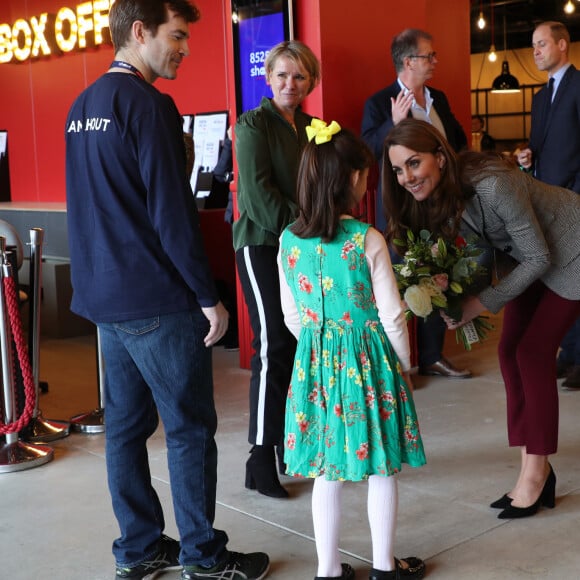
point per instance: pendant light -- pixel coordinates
(492, 56)
(505, 82)
(481, 20)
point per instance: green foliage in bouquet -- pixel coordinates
(438, 275)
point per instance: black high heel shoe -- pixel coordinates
(261, 472)
(502, 503)
(547, 499)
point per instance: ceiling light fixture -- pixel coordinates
(569, 7)
(505, 82)
(481, 20)
(492, 56)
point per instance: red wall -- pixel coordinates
(351, 40)
(35, 95)
(353, 45)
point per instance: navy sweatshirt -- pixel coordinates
(135, 241)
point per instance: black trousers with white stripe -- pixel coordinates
(274, 346)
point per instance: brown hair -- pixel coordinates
(152, 13)
(441, 212)
(299, 53)
(324, 183)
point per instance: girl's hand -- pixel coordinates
(472, 308)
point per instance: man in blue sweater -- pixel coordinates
(139, 272)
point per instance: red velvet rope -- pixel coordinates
(13, 309)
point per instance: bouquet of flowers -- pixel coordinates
(438, 275)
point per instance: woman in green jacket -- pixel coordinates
(268, 142)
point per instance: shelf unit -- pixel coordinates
(507, 116)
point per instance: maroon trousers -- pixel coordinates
(534, 324)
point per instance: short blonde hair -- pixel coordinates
(300, 54)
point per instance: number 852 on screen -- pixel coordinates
(258, 56)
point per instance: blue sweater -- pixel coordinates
(135, 241)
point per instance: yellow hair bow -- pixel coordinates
(321, 132)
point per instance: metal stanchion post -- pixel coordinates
(15, 455)
(94, 421)
(39, 429)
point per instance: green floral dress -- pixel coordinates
(349, 413)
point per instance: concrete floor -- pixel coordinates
(56, 520)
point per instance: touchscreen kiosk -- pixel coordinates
(208, 131)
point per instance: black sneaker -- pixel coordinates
(234, 566)
(166, 558)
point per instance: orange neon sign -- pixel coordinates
(48, 34)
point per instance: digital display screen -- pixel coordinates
(257, 36)
(259, 28)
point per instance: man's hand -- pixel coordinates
(524, 157)
(400, 106)
(218, 318)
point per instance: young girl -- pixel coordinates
(349, 413)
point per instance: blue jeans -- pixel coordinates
(160, 366)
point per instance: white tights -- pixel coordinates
(382, 505)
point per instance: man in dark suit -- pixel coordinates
(409, 96)
(481, 139)
(553, 153)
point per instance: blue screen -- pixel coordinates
(257, 36)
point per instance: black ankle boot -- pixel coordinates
(261, 472)
(280, 459)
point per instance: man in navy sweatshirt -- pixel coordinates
(139, 272)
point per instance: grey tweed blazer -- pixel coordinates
(535, 223)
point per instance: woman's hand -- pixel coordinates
(472, 308)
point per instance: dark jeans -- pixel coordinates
(430, 339)
(160, 365)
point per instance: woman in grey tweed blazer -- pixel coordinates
(427, 186)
